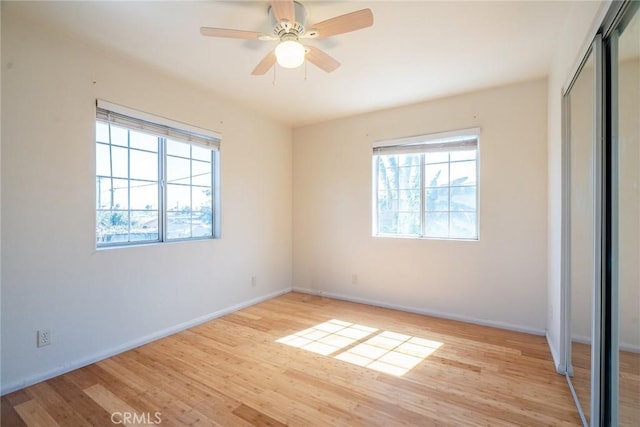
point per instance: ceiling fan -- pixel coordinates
(289, 21)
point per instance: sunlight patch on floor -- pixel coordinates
(329, 337)
(390, 352)
(383, 351)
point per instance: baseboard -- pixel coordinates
(629, 347)
(426, 312)
(555, 356)
(63, 369)
(581, 339)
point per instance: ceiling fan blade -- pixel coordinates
(344, 23)
(284, 9)
(232, 34)
(264, 65)
(321, 59)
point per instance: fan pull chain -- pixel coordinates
(305, 71)
(274, 75)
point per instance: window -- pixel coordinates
(156, 179)
(427, 186)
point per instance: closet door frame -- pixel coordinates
(605, 328)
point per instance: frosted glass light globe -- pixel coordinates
(290, 54)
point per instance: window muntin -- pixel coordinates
(150, 188)
(429, 190)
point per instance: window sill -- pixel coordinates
(408, 237)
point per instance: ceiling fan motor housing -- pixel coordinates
(297, 28)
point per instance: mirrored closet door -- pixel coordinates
(581, 189)
(601, 223)
(625, 56)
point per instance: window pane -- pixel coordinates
(200, 153)
(463, 173)
(175, 148)
(409, 200)
(201, 173)
(119, 136)
(203, 227)
(202, 215)
(409, 223)
(178, 170)
(407, 160)
(120, 163)
(399, 190)
(436, 157)
(408, 177)
(388, 200)
(143, 141)
(102, 194)
(436, 224)
(463, 155)
(463, 225)
(112, 197)
(388, 222)
(144, 195)
(436, 199)
(399, 171)
(144, 165)
(178, 225)
(409, 165)
(202, 224)
(409, 170)
(436, 175)
(385, 177)
(178, 198)
(144, 226)
(112, 226)
(102, 132)
(463, 199)
(103, 161)
(201, 198)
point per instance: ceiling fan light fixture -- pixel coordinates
(290, 54)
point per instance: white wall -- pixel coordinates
(571, 46)
(500, 279)
(98, 302)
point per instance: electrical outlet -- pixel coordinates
(254, 281)
(44, 337)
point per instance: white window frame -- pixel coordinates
(164, 129)
(463, 139)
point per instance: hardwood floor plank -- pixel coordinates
(9, 416)
(17, 397)
(237, 371)
(84, 406)
(63, 413)
(220, 416)
(136, 402)
(256, 418)
(34, 415)
(107, 400)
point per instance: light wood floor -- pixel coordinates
(232, 371)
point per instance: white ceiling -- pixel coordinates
(415, 51)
